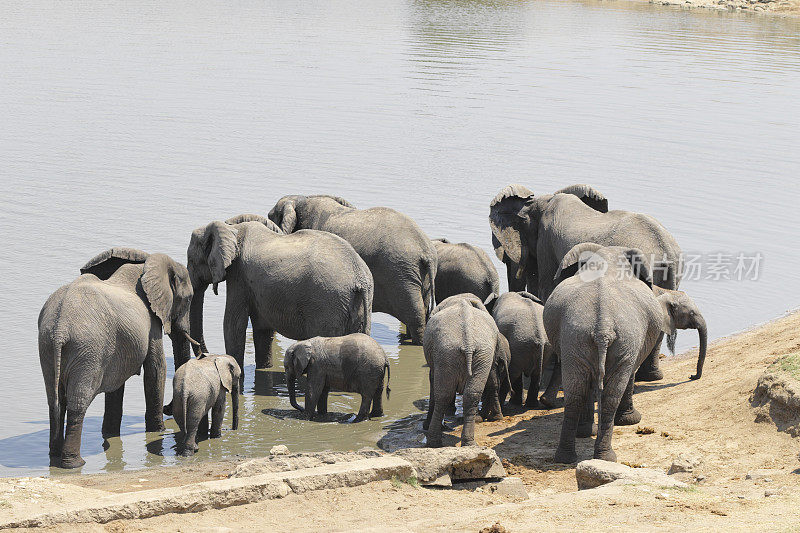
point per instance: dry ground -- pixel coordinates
(710, 419)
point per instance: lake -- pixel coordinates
(131, 124)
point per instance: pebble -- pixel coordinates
(771, 492)
(279, 449)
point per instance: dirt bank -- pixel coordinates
(745, 472)
(786, 8)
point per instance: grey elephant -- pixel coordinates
(535, 232)
(200, 385)
(350, 363)
(467, 354)
(604, 319)
(399, 254)
(518, 316)
(101, 329)
(464, 268)
(301, 285)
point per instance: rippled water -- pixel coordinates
(133, 123)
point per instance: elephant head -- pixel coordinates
(104, 264)
(229, 376)
(295, 364)
(296, 211)
(586, 253)
(211, 251)
(680, 312)
(514, 218)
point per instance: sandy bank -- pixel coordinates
(785, 8)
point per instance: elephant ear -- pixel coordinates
(228, 371)
(531, 297)
(284, 214)
(507, 217)
(338, 199)
(218, 243)
(158, 282)
(588, 195)
(441, 239)
(302, 358)
(640, 266)
(104, 264)
(574, 260)
(248, 217)
(490, 302)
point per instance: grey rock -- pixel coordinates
(763, 474)
(279, 449)
(684, 463)
(512, 487)
(471, 462)
(595, 472)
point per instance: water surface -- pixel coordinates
(132, 124)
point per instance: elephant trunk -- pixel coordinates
(291, 381)
(196, 315)
(180, 348)
(235, 403)
(701, 356)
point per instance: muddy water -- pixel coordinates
(132, 124)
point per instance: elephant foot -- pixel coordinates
(516, 399)
(469, 442)
(532, 403)
(646, 374)
(547, 402)
(359, 418)
(376, 414)
(215, 434)
(628, 418)
(492, 417)
(606, 455)
(586, 430)
(168, 409)
(565, 456)
(434, 443)
(187, 452)
(72, 462)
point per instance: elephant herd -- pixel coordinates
(592, 292)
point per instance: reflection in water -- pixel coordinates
(132, 124)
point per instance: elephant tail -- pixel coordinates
(388, 378)
(468, 359)
(602, 351)
(428, 270)
(360, 320)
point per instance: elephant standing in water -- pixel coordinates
(301, 285)
(535, 232)
(101, 329)
(400, 256)
(604, 319)
(464, 268)
(466, 353)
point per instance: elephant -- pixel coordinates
(400, 256)
(518, 316)
(604, 319)
(464, 268)
(200, 385)
(351, 363)
(104, 327)
(301, 285)
(465, 353)
(535, 232)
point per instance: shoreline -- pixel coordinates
(712, 420)
(777, 8)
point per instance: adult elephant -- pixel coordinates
(535, 232)
(400, 256)
(101, 329)
(303, 285)
(604, 319)
(464, 268)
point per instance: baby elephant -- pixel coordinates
(352, 363)
(199, 385)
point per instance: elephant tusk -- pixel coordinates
(214, 288)
(191, 339)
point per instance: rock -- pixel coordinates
(511, 486)
(596, 472)
(442, 481)
(471, 462)
(285, 463)
(771, 492)
(763, 474)
(279, 449)
(495, 528)
(684, 463)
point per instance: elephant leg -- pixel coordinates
(377, 401)
(57, 415)
(576, 395)
(193, 421)
(363, 411)
(548, 399)
(431, 401)
(650, 371)
(516, 396)
(315, 384)
(470, 398)
(450, 406)
(436, 413)
(155, 373)
(586, 425)
(627, 415)
(322, 403)
(202, 425)
(491, 410)
(71, 452)
(262, 340)
(217, 416)
(112, 418)
(609, 403)
(234, 326)
(532, 400)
